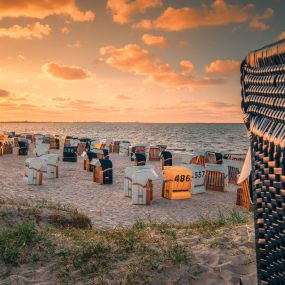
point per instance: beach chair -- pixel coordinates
(22, 148)
(103, 171)
(197, 157)
(90, 155)
(101, 153)
(198, 178)
(52, 165)
(81, 147)
(176, 182)
(142, 187)
(69, 154)
(115, 147)
(124, 149)
(128, 178)
(244, 194)
(216, 177)
(36, 168)
(262, 82)
(41, 149)
(234, 169)
(154, 153)
(213, 157)
(140, 159)
(166, 158)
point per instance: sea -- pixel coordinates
(180, 137)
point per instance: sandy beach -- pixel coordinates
(106, 204)
(219, 258)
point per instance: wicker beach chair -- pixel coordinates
(176, 182)
(70, 154)
(165, 158)
(142, 187)
(263, 102)
(103, 171)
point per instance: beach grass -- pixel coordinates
(63, 237)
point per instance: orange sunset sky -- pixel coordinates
(123, 60)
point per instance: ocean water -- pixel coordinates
(221, 137)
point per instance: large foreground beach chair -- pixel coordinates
(176, 182)
(263, 101)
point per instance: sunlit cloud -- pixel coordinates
(76, 44)
(151, 40)
(220, 13)
(28, 32)
(41, 9)
(257, 22)
(65, 72)
(123, 10)
(65, 30)
(133, 58)
(186, 66)
(60, 99)
(123, 97)
(223, 67)
(4, 93)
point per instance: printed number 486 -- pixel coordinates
(182, 178)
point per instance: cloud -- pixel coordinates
(4, 93)
(281, 36)
(220, 13)
(257, 24)
(151, 40)
(41, 9)
(76, 44)
(65, 30)
(123, 97)
(28, 32)
(57, 71)
(223, 67)
(186, 66)
(133, 58)
(123, 10)
(60, 99)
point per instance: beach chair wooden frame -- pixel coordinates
(243, 196)
(215, 181)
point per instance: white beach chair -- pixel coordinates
(142, 190)
(198, 178)
(41, 149)
(128, 179)
(36, 167)
(52, 165)
(124, 149)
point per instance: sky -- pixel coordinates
(124, 61)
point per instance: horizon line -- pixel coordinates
(119, 122)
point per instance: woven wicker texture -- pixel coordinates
(263, 102)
